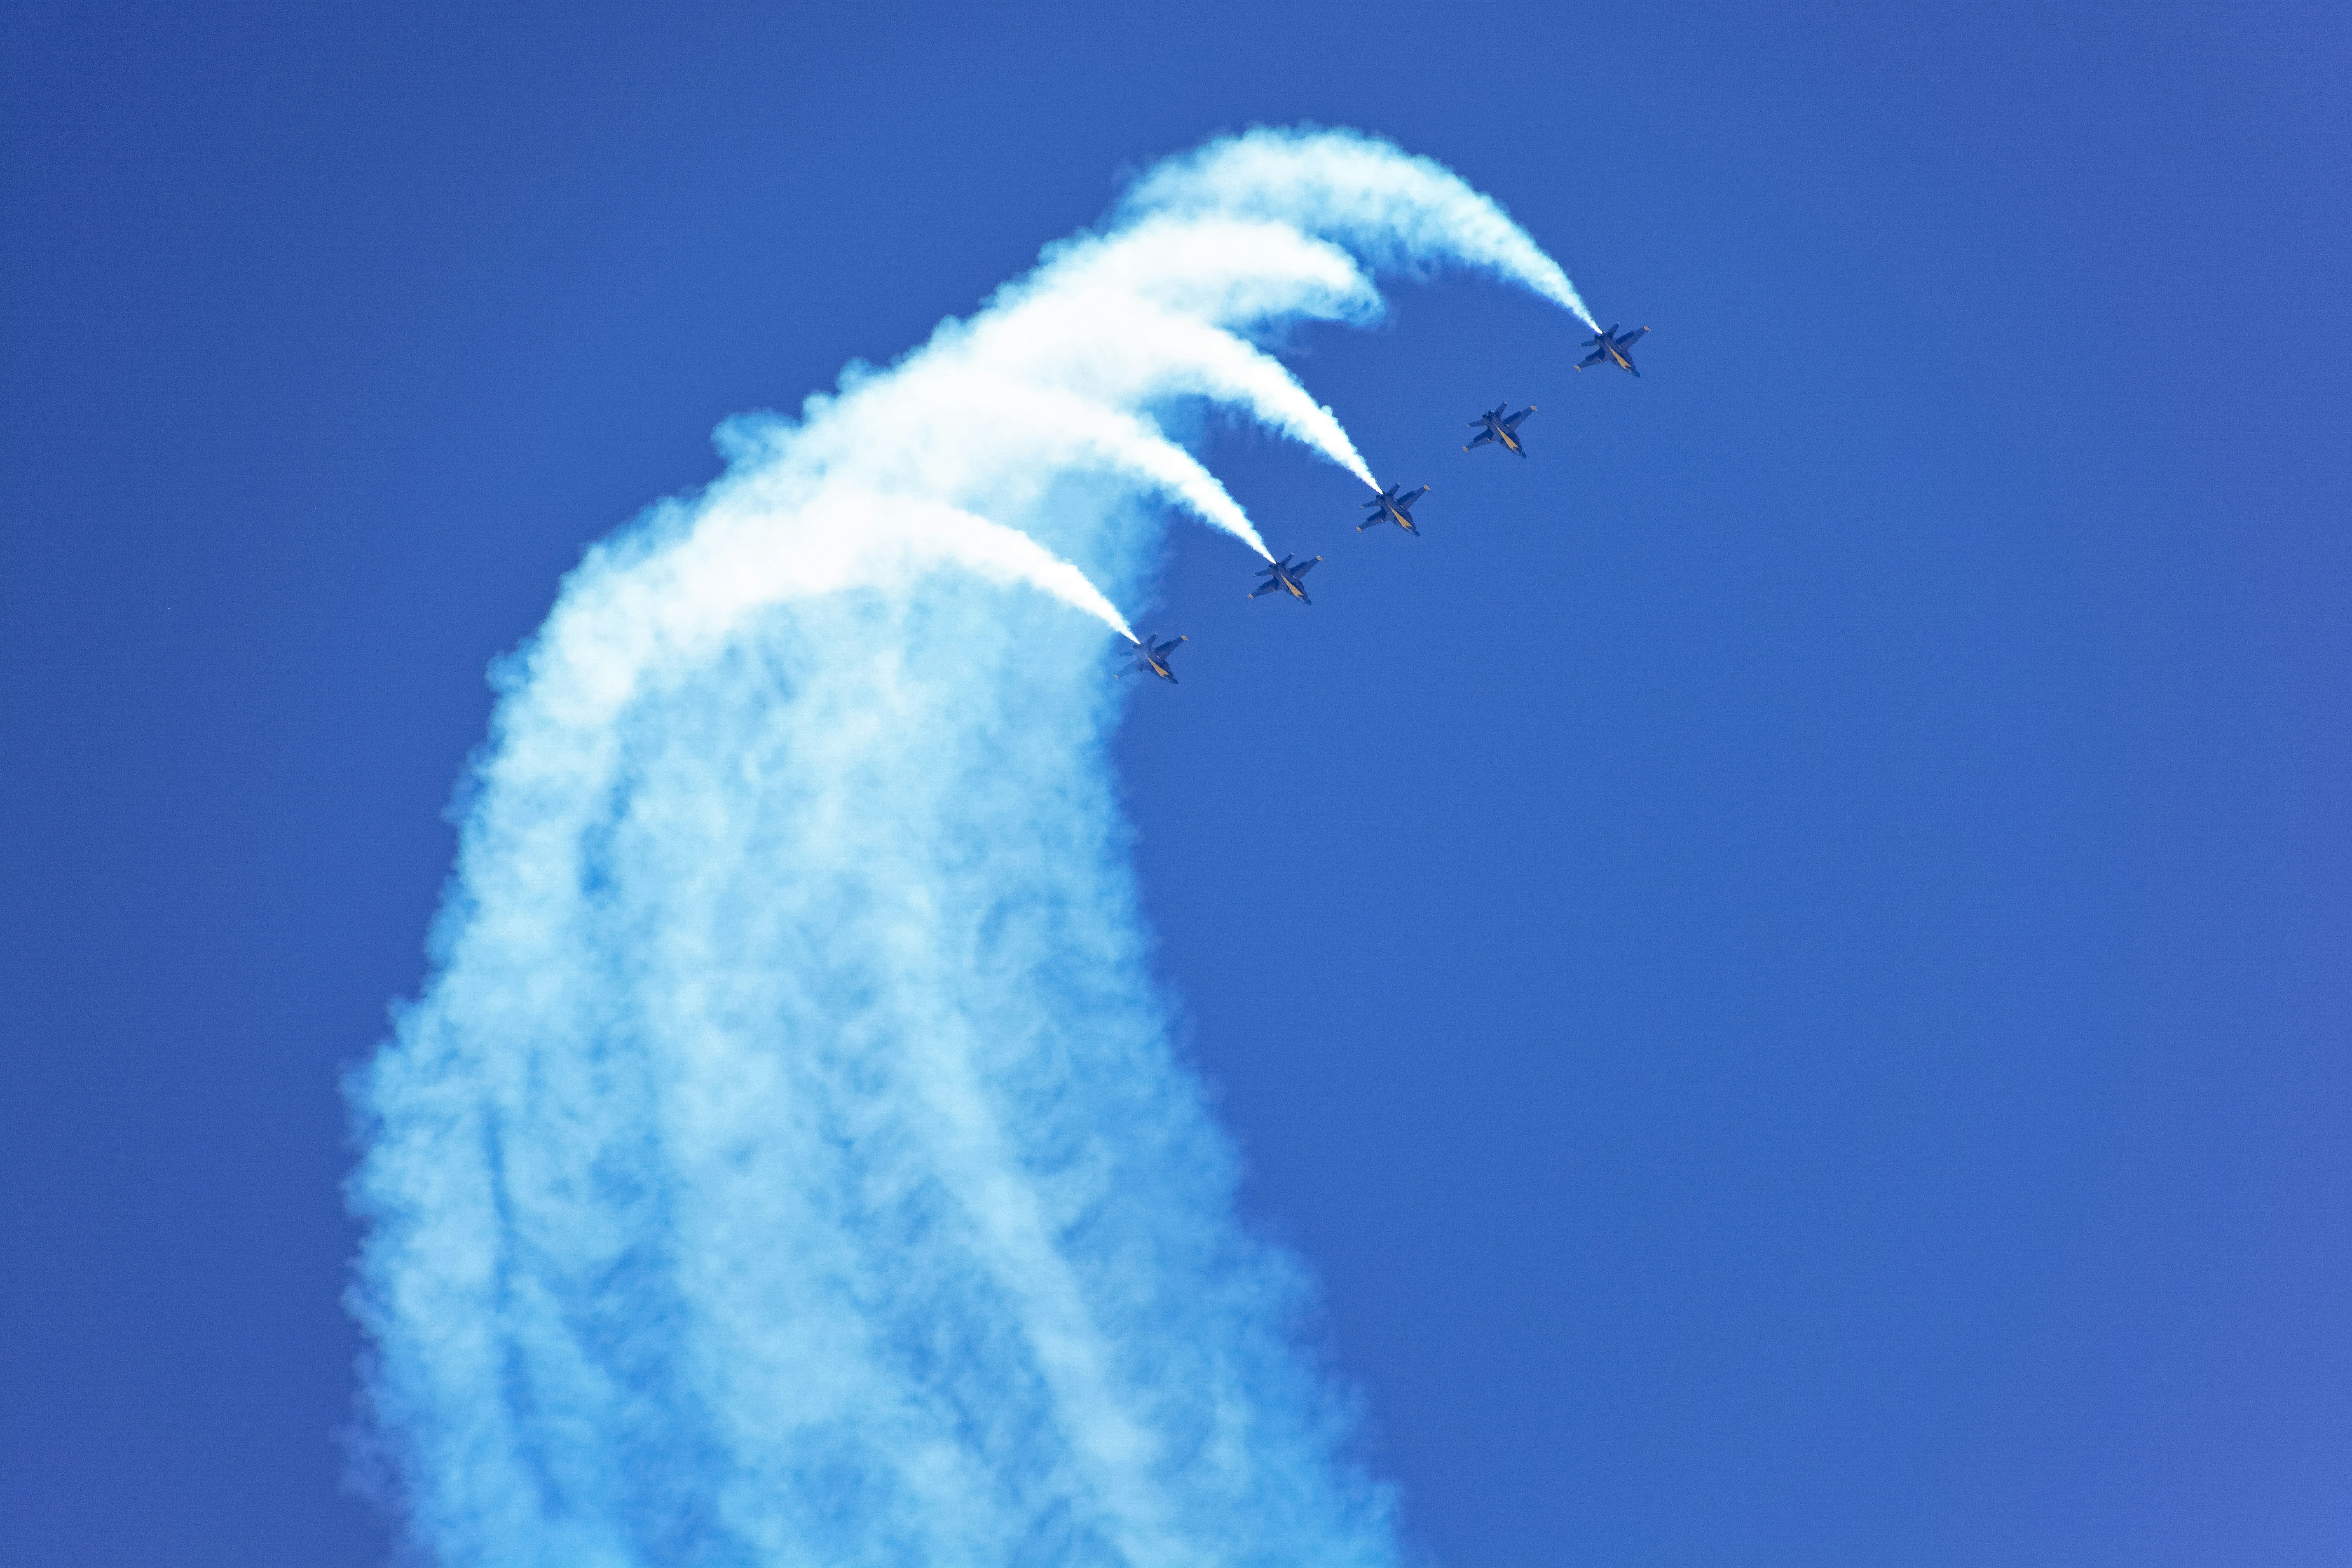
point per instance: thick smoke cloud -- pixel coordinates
(786, 1162)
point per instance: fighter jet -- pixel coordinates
(1612, 348)
(1394, 506)
(1495, 427)
(1155, 660)
(1282, 575)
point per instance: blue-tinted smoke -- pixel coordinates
(786, 1164)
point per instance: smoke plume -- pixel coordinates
(786, 1162)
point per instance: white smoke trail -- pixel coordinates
(1361, 191)
(786, 1162)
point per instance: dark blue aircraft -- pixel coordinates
(1493, 427)
(1282, 575)
(1394, 506)
(1611, 348)
(1147, 656)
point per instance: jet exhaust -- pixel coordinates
(786, 1161)
(1360, 192)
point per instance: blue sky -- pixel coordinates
(1782, 966)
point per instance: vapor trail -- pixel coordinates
(786, 1162)
(1361, 191)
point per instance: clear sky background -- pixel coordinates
(1784, 965)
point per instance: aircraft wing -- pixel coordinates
(1265, 587)
(1480, 439)
(1404, 503)
(1304, 567)
(1595, 357)
(1630, 339)
(1513, 422)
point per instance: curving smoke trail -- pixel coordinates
(1359, 190)
(786, 1162)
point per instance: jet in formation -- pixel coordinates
(1609, 348)
(1282, 575)
(1155, 660)
(1493, 427)
(1394, 505)
(1496, 426)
